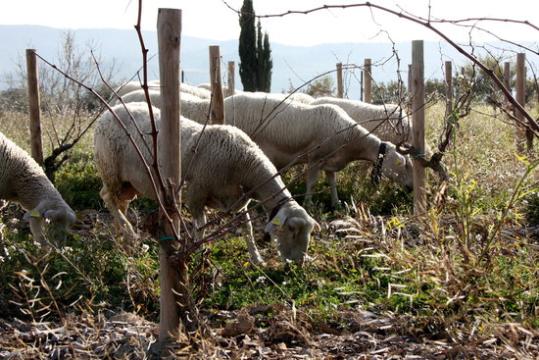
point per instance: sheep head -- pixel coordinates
(58, 213)
(395, 166)
(292, 228)
(435, 161)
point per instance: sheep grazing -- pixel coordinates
(23, 181)
(242, 169)
(388, 122)
(323, 136)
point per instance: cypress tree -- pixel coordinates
(247, 47)
(260, 75)
(263, 55)
(267, 65)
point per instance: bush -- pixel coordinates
(79, 183)
(88, 272)
(532, 208)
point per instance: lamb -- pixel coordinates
(23, 181)
(225, 166)
(323, 136)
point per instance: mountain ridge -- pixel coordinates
(292, 65)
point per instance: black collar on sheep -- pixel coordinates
(376, 174)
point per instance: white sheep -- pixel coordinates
(323, 136)
(133, 86)
(206, 86)
(225, 166)
(300, 97)
(226, 91)
(23, 181)
(388, 121)
(197, 109)
(196, 91)
(139, 96)
(192, 107)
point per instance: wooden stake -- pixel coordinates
(217, 112)
(418, 120)
(34, 107)
(410, 89)
(523, 135)
(361, 95)
(340, 87)
(367, 80)
(448, 88)
(231, 78)
(169, 23)
(507, 75)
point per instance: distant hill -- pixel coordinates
(291, 64)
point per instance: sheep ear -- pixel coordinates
(317, 226)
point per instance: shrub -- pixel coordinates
(79, 183)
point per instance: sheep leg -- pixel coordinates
(331, 177)
(115, 205)
(199, 222)
(36, 228)
(196, 203)
(256, 259)
(312, 176)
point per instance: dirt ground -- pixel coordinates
(251, 334)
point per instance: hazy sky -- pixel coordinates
(211, 19)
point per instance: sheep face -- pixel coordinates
(292, 228)
(61, 216)
(398, 168)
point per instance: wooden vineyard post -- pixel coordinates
(172, 274)
(522, 133)
(418, 120)
(507, 83)
(410, 89)
(448, 88)
(507, 75)
(231, 80)
(34, 106)
(340, 87)
(217, 111)
(361, 96)
(367, 81)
